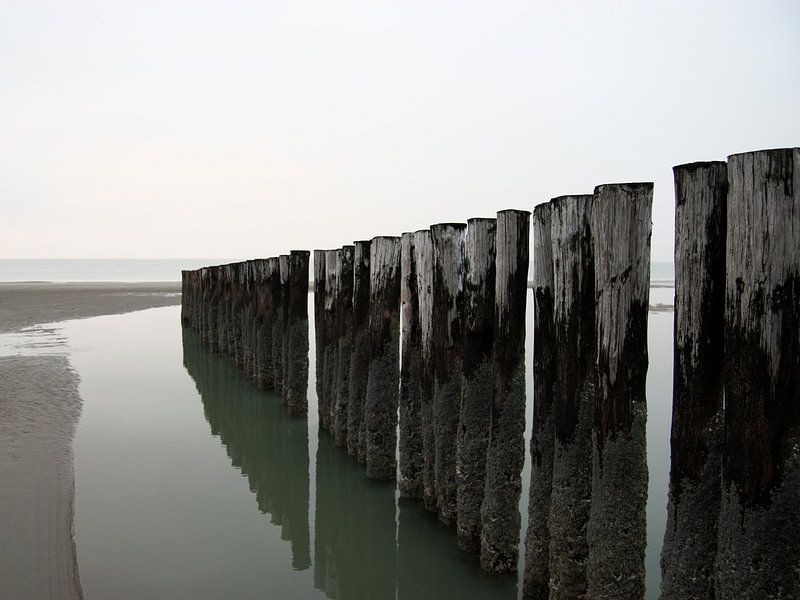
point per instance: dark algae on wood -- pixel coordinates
(359, 363)
(758, 550)
(477, 386)
(448, 297)
(574, 393)
(410, 442)
(296, 357)
(423, 255)
(690, 539)
(537, 538)
(344, 344)
(617, 528)
(500, 518)
(383, 382)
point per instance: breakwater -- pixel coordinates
(420, 347)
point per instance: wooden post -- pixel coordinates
(344, 341)
(296, 354)
(690, 540)
(185, 275)
(380, 407)
(536, 581)
(276, 289)
(423, 259)
(266, 371)
(500, 518)
(758, 550)
(411, 460)
(477, 384)
(248, 319)
(279, 347)
(574, 393)
(213, 309)
(617, 524)
(448, 304)
(319, 320)
(326, 402)
(359, 363)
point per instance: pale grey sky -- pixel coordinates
(243, 129)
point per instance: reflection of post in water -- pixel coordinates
(430, 565)
(355, 552)
(267, 445)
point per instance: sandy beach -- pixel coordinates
(39, 411)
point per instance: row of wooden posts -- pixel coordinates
(424, 335)
(256, 312)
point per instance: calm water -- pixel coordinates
(190, 483)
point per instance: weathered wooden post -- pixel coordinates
(266, 371)
(202, 306)
(224, 329)
(617, 529)
(500, 518)
(380, 406)
(448, 309)
(536, 581)
(319, 319)
(276, 318)
(423, 259)
(281, 319)
(411, 460)
(359, 363)
(574, 393)
(326, 402)
(212, 309)
(248, 319)
(296, 354)
(690, 540)
(477, 384)
(185, 296)
(344, 341)
(758, 550)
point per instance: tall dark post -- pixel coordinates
(423, 259)
(248, 320)
(690, 540)
(276, 289)
(477, 384)
(280, 326)
(326, 402)
(380, 406)
(319, 319)
(537, 539)
(296, 357)
(359, 363)
(500, 518)
(758, 550)
(266, 371)
(448, 304)
(344, 340)
(617, 524)
(411, 460)
(573, 400)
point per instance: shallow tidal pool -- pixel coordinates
(191, 483)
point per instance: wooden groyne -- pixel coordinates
(420, 355)
(256, 313)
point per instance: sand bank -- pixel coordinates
(39, 411)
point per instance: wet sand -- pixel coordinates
(39, 411)
(26, 304)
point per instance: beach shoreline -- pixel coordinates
(40, 407)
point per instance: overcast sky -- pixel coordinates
(238, 129)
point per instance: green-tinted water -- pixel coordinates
(190, 483)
